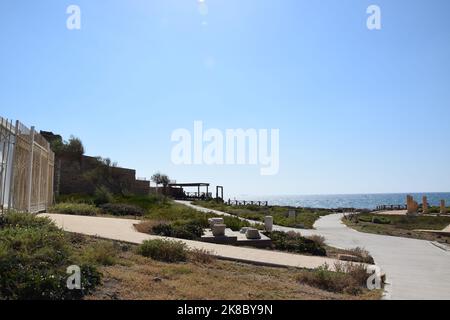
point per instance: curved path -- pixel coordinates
(124, 230)
(415, 269)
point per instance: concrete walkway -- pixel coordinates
(123, 230)
(415, 269)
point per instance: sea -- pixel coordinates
(360, 201)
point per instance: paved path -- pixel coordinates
(123, 230)
(415, 269)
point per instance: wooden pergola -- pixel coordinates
(197, 185)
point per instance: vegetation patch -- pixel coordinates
(101, 253)
(122, 209)
(164, 250)
(137, 277)
(294, 242)
(305, 218)
(348, 278)
(201, 256)
(81, 209)
(34, 256)
(400, 225)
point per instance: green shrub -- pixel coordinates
(145, 202)
(193, 227)
(305, 217)
(163, 229)
(163, 250)
(380, 220)
(190, 230)
(294, 242)
(235, 223)
(102, 196)
(364, 218)
(34, 256)
(101, 253)
(121, 209)
(25, 220)
(81, 209)
(75, 198)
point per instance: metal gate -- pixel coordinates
(27, 168)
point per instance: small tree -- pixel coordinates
(165, 182)
(163, 179)
(73, 148)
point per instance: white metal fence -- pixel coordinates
(27, 166)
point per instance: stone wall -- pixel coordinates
(71, 177)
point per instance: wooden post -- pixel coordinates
(11, 177)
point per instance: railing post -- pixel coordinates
(30, 171)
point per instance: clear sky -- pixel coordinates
(358, 111)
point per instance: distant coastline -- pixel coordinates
(360, 201)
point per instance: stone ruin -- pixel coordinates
(413, 207)
(443, 207)
(247, 236)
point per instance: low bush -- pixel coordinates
(121, 209)
(163, 229)
(145, 202)
(305, 218)
(102, 195)
(190, 230)
(347, 278)
(363, 254)
(380, 220)
(235, 223)
(294, 242)
(164, 250)
(34, 256)
(81, 209)
(319, 240)
(364, 218)
(25, 220)
(101, 253)
(193, 227)
(75, 198)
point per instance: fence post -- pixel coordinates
(39, 181)
(13, 164)
(30, 172)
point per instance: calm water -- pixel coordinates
(361, 201)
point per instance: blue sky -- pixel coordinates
(358, 111)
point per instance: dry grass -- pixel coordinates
(360, 254)
(201, 256)
(320, 240)
(348, 278)
(163, 250)
(202, 277)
